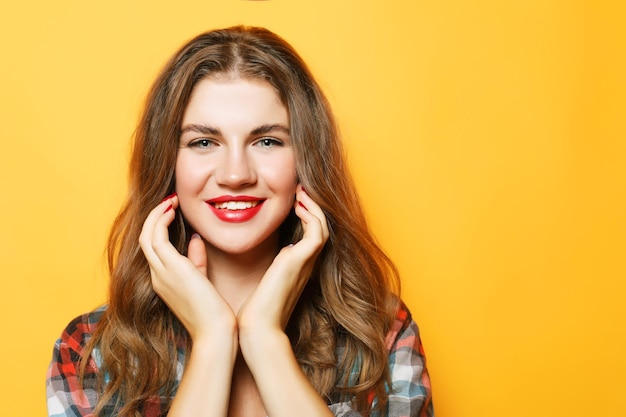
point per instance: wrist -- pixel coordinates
(260, 345)
(221, 342)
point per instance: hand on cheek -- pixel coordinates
(181, 281)
(271, 305)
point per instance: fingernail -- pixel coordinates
(302, 205)
(168, 208)
(305, 191)
(169, 196)
(195, 236)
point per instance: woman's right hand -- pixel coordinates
(182, 282)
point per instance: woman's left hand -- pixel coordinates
(270, 306)
(284, 388)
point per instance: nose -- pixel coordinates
(235, 169)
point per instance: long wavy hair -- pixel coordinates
(339, 325)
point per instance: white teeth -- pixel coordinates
(236, 205)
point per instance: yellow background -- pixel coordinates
(487, 139)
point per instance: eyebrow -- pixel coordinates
(204, 129)
(269, 128)
(210, 130)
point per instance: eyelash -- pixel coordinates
(269, 142)
(201, 143)
(264, 142)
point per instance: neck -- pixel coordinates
(236, 276)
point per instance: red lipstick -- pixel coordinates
(233, 209)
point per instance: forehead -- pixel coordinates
(234, 100)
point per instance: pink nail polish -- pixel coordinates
(168, 208)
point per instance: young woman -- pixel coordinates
(255, 287)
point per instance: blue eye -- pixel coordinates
(202, 143)
(269, 142)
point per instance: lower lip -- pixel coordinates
(236, 216)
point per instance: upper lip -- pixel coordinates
(226, 198)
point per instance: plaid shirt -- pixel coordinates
(410, 396)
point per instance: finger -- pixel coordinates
(164, 207)
(304, 199)
(160, 242)
(196, 252)
(311, 213)
(154, 232)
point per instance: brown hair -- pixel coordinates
(348, 305)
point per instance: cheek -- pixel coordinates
(283, 179)
(190, 175)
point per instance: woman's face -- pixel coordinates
(235, 168)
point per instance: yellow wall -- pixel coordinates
(487, 139)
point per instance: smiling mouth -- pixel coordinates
(235, 205)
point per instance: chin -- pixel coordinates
(236, 246)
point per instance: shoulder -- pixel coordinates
(85, 324)
(78, 332)
(68, 394)
(403, 327)
(411, 388)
